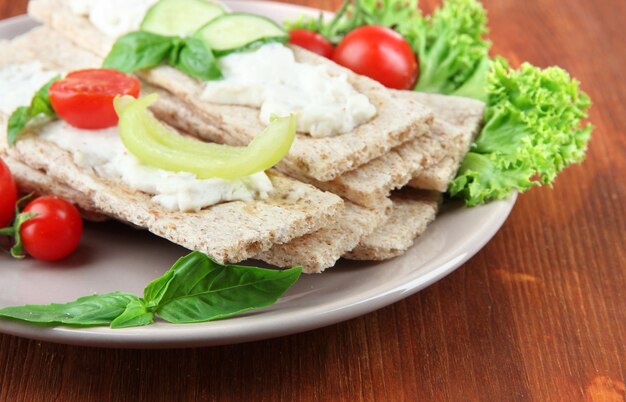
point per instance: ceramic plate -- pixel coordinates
(115, 257)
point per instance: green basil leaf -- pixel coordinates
(195, 262)
(195, 289)
(17, 123)
(138, 50)
(86, 311)
(40, 107)
(135, 315)
(197, 60)
(199, 289)
(41, 101)
(174, 55)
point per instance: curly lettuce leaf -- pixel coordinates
(452, 50)
(533, 130)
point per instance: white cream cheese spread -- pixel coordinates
(18, 84)
(268, 77)
(271, 79)
(113, 17)
(104, 153)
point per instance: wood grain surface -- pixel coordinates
(538, 315)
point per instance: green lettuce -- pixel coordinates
(533, 121)
(533, 130)
(452, 51)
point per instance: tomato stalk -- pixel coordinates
(13, 231)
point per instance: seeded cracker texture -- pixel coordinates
(321, 159)
(411, 214)
(37, 182)
(320, 250)
(467, 115)
(228, 232)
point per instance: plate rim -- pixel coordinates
(201, 334)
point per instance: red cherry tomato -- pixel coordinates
(56, 230)
(311, 41)
(381, 54)
(84, 98)
(8, 195)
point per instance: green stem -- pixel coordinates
(10, 231)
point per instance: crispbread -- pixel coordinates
(438, 176)
(411, 213)
(467, 115)
(228, 232)
(320, 250)
(37, 182)
(322, 159)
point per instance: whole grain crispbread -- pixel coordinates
(438, 176)
(320, 250)
(229, 232)
(321, 159)
(467, 115)
(32, 181)
(411, 213)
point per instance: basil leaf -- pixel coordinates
(138, 50)
(41, 101)
(87, 311)
(199, 289)
(40, 107)
(135, 315)
(17, 122)
(197, 60)
(195, 289)
(174, 54)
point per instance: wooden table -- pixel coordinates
(539, 314)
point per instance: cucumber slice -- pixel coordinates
(240, 31)
(156, 145)
(179, 17)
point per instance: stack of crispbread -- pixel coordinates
(229, 232)
(415, 139)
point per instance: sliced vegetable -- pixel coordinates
(151, 142)
(40, 110)
(84, 98)
(8, 189)
(140, 50)
(311, 41)
(381, 54)
(195, 289)
(179, 17)
(533, 131)
(240, 31)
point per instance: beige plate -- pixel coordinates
(115, 257)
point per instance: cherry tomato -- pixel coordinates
(56, 230)
(84, 98)
(312, 41)
(381, 54)
(8, 195)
